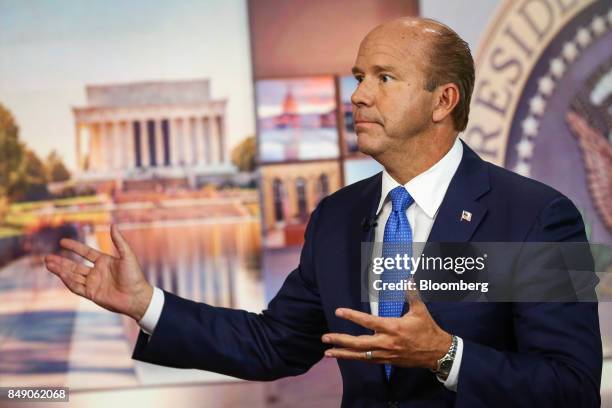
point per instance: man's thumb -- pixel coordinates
(120, 243)
(413, 298)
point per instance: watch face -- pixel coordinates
(446, 365)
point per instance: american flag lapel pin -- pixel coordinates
(466, 215)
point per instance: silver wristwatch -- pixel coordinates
(446, 362)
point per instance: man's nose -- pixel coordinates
(362, 96)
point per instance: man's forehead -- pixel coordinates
(402, 46)
(409, 34)
(391, 48)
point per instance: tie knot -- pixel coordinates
(400, 198)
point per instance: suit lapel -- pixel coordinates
(471, 180)
(360, 232)
(450, 226)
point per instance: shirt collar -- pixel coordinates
(428, 188)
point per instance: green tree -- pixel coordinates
(11, 152)
(56, 170)
(3, 208)
(244, 154)
(31, 180)
(34, 168)
(22, 174)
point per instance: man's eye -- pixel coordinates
(358, 79)
(385, 78)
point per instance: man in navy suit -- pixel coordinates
(415, 81)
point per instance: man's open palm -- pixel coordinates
(115, 283)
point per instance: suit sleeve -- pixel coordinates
(558, 360)
(283, 340)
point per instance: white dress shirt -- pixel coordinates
(427, 189)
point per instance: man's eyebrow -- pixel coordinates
(376, 69)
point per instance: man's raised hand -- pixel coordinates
(413, 340)
(115, 283)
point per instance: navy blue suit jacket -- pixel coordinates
(515, 354)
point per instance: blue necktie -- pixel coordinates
(397, 241)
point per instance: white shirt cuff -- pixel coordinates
(153, 312)
(453, 376)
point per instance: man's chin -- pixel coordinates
(366, 145)
(368, 151)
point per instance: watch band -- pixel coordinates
(446, 362)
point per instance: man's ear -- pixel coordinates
(446, 97)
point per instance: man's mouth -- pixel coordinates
(366, 122)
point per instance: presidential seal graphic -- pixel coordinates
(542, 107)
(542, 104)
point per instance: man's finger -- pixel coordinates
(378, 356)
(120, 243)
(413, 298)
(66, 271)
(79, 279)
(68, 264)
(73, 281)
(81, 249)
(364, 319)
(364, 342)
(76, 288)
